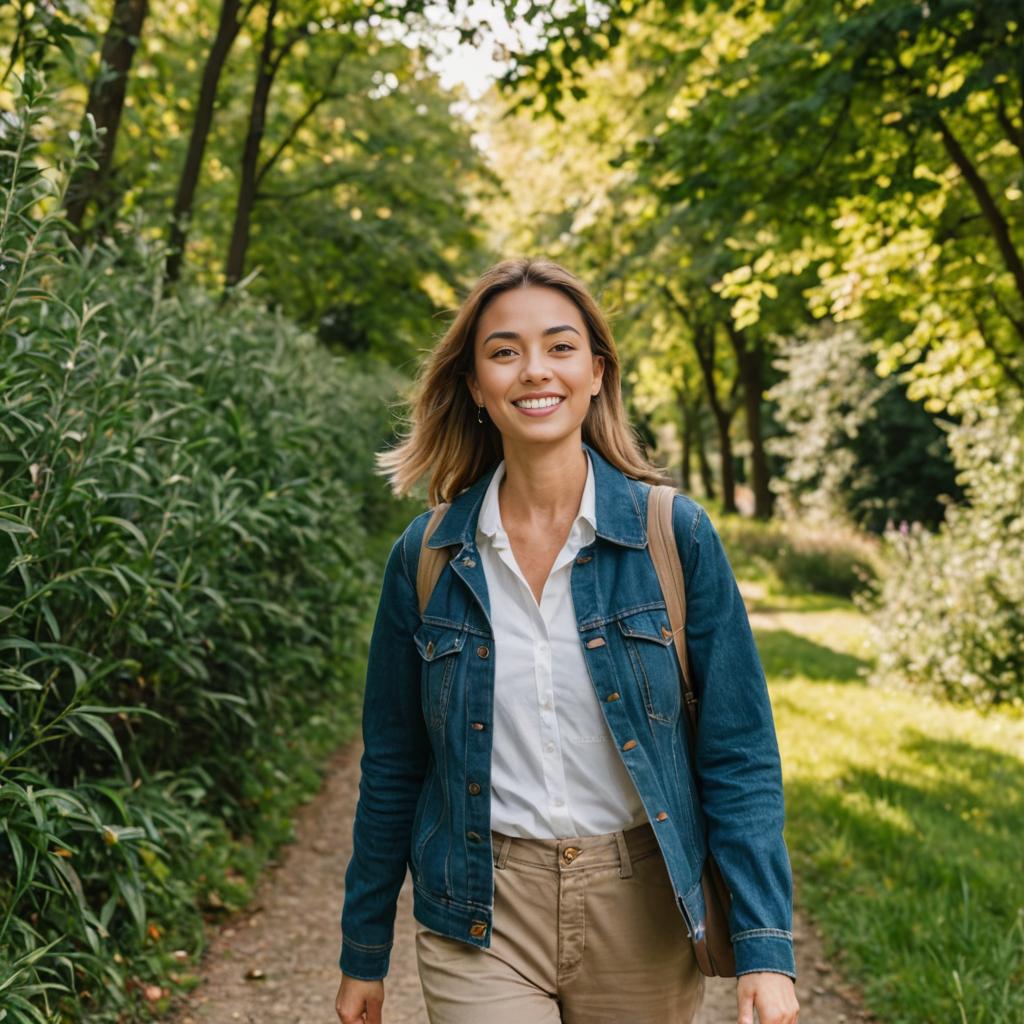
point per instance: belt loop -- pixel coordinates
(503, 850)
(625, 864)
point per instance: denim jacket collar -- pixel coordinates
(619, 518)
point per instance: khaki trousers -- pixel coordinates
(585, 931)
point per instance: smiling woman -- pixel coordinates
(525, 753)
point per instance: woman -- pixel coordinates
(525, 753)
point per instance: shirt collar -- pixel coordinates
(489, 524)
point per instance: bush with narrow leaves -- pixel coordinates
(186, 494)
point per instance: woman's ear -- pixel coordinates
(474, 388)
(598, 373)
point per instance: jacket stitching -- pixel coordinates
(648, 606)
(750, 933)
(369, 949)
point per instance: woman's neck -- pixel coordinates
(543, 485)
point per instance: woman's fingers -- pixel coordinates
(359, 1002)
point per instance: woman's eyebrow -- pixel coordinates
(514, 336)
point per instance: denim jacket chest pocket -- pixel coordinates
(438, 647)
(650, 647)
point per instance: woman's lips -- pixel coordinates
(538, 412)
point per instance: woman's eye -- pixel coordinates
(567, 345)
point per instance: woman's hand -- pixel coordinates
(772, 993)
(358, 1001)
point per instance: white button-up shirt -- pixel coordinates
(555, 772)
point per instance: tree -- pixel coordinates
(105, 106)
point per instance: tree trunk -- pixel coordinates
(235, 264)
(106, 104)
(686, 417)
(702, 336)
(707, 478)
(750, 360)
(228, 27)
(704, 345)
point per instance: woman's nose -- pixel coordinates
(535, 368)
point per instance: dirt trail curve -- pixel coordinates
(291, 935)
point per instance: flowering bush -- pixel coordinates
(948, 612)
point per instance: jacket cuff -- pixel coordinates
(368, 963)
(764, 949)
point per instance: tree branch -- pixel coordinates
(1011, 374)
(997, 222)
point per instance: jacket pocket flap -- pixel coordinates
(650, 624)
(435, 642)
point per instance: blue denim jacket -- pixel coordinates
(427, 718)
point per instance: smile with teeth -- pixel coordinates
(537, 403)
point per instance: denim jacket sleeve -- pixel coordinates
(738, 767)
(393, 765)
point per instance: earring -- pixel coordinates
(479, 409)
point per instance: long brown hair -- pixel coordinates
(445, 439)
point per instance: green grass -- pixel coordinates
(905, 823)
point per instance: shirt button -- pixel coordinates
(559, 802)
(551, 748)
(611, 697)
(629, 745)
(483, 651)
(474, 788)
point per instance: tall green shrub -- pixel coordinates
(949, 611)
(186, 491)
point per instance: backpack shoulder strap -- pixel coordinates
(431, 560)
(664, 553)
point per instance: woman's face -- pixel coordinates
(531, 343)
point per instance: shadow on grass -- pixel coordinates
(786, 655)
(914, 871)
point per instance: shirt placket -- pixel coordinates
(551, 746)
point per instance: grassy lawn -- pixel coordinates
(905, 822)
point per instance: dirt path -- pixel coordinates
(276, 963)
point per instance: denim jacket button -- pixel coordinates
(474, 836)
(583, 559)
(430, 648)
(612, 696)
(661, 815)
(629, 745)
(483, 650)
(474, 788)
(478, 929)
(477, 725)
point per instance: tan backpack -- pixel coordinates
(714, 951)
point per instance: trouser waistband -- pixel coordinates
(576, 853)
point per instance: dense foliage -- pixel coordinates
(855, 448)
(187, 496)
(949, 611)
